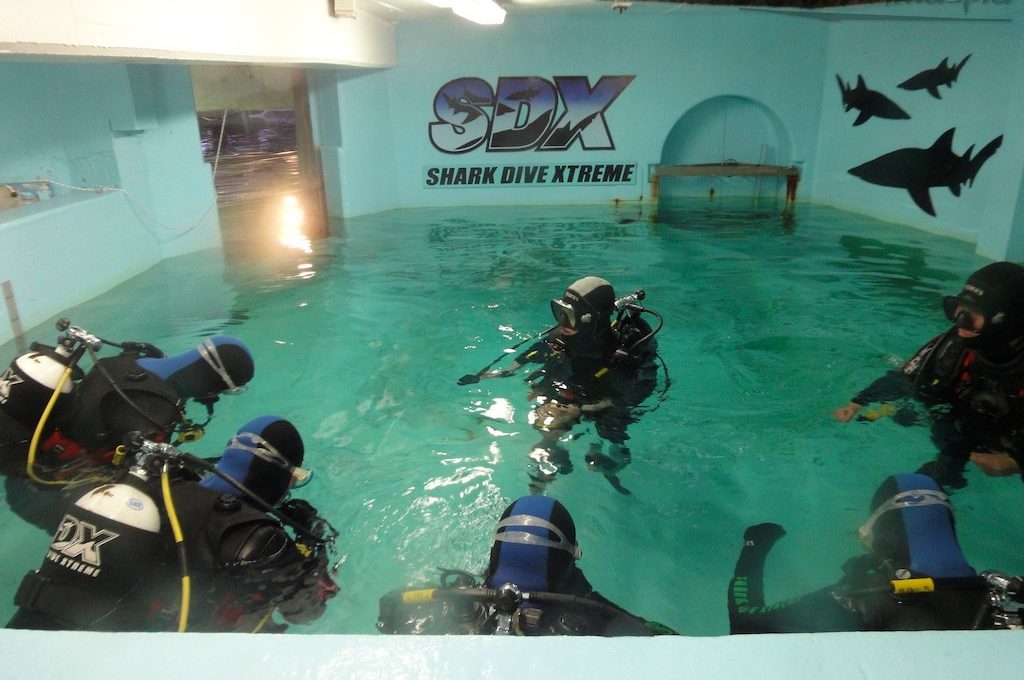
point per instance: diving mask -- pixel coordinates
(208, 351)
(967, 316)
(566, 315)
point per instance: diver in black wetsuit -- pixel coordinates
(112, 564)
(532, 586)
(911, 536)
(972, 375)
(597, 365)
(138, 390)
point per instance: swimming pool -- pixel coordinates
(769, 324)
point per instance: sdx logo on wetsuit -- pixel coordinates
(76, 546)
(519, 114)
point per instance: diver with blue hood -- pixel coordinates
(247, 551)
(598, 364)
(531, 586)
(971, 377)
(60, 425)
(915, 576)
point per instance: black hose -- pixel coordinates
(539, 597)
(471, 378)
(159, 426)
(262, 504)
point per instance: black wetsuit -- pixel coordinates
(859, 601)
(242, 563)
(81, 442)
(977, 403)
(618, 370)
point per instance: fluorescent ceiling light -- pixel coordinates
(479, 11)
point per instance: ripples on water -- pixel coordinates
(768, 326)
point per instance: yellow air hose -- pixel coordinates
(179, 540)
(33, 447)
(263, 621)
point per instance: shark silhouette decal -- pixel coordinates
(868, 102)
(930, 80)
(917, 170)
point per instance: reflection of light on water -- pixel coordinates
(305, 272)
(292, 217)
(501, 409)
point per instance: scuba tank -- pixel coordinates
(105, 544)
(28, 383)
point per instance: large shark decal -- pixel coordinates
(917, 170)
(868, 102)
(930, 80)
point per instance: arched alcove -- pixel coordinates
(725, 129)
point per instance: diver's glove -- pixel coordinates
(472, 378)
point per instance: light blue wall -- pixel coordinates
(54, 126)
(982, 104)
(129, 128)
(680, 60)
(714, 83)
(354, 131)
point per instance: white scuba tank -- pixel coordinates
(27, 385)
(106, 540)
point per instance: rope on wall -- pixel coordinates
(137, 206)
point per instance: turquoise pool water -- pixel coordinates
(769, 324)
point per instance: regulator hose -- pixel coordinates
(179, 541)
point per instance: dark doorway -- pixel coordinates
(256, 134)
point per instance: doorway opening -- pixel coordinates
(256, 133)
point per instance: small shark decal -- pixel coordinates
(474, 98)
(930, 80)
(461, 105)
(868, 102)
(524, 95)
(917, 170)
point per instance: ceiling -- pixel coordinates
(399, 10)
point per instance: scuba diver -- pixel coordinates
(60, 425)
(972, 377)
(215, 556)
(914, 578)
(532, 586)
(598, 364)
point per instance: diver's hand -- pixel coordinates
(845, 414)
(471, 378)
(996, 464)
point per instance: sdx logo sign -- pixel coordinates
(520, 113)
